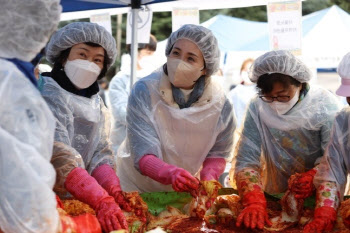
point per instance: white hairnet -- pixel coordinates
(344, 67)
(204, 39)
(81, 32)
(281, 61)
(26, 26)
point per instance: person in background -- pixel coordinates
(243, 93)
(331, 173)
(103, 84)
(119, 90)
(179, 122)
(27, 126)
(81, 53)
(286, 128)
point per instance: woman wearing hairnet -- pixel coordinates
(331, 176)
(27, 126)
(178, 119)
(82, 52)
(286, 128)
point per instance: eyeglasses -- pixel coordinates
(270, 99)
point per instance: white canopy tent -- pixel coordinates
(328, 41)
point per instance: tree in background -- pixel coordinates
(345, 4)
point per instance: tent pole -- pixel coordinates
(135, 7)
(119, 20)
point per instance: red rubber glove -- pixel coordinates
(302, 184)
(213, 168)
(108, 179)
(180, 179)
(254, 213)
(324, 220)
(86, 189)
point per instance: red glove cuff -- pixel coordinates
(254, 197)
(326, 212)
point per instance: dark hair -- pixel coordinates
(265, 82)
(151, 46)
(65, 53)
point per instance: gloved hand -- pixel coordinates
(254, 213)
(324, 219)
(86, 189)
(302, 184)
(108, 179)
(213, 168)
(180, 179)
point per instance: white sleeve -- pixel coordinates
(27, 202)
(118, 96)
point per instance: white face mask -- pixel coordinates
(283, 108)
(82, 73)
(182, 74)
(146, 62)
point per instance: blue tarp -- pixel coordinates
(82, 5)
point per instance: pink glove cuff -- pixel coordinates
(213, 168)
(84, 187)
(107, 178)
(156, 169)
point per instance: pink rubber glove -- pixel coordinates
(213, 168)
(254, 213)
(108, 179)
(180, 179)
(324, 219)
(86, 189)
(302, 184)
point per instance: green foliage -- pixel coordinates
(344, 4)
(64, 23)
(310, 6)
(257, 13)
(161, 25)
